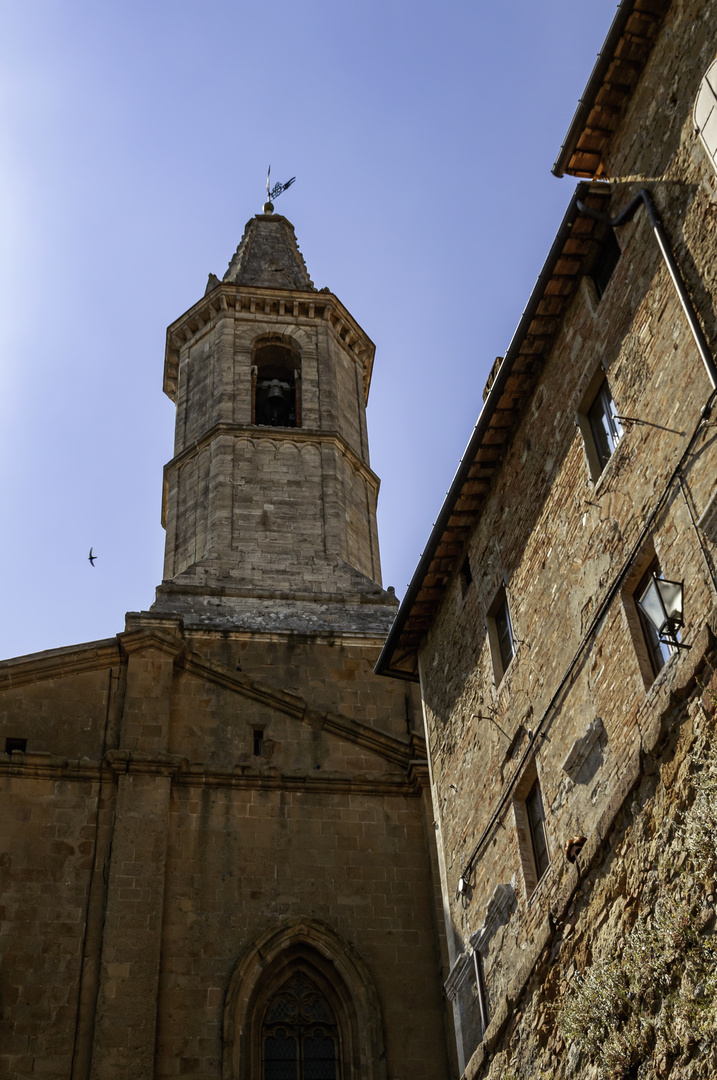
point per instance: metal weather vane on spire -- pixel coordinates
(275, 191)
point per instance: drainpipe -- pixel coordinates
(643, 196)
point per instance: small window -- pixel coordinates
(705, 113)
(466, 576)
(605, 263)
(12, 744)
(599, 425)
(500, 634)
(604, 424)
(258, 743)
(536, 823)
(659, 652)
(532, 832)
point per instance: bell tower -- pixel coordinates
(269, 500)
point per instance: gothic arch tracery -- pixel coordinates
(303, 953)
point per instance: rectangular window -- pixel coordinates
(536, 823)
(599, 425)
(12, 744)
(500, 635)
(659, 652)
(258, 743)
(532, 833)
(605, 427)
(466, 576)
(605, 263)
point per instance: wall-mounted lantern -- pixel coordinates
(662, 603)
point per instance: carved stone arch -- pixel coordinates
(312, 948)
(276, 380)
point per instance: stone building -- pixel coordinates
(216, 833)
(569, 738)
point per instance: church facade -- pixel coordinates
(216, 829)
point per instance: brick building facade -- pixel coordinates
(215, 830)
(566, 739)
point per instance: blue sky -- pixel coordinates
(134, 144)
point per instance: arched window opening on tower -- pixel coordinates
(276, 384)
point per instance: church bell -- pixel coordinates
(276, 407)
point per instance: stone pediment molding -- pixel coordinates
(387, 747)
(272, 306)
(54, 663)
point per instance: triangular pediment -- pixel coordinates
(396, 753)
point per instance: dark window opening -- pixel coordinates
(536, 823)
(504, 633)
(258, 743)
(299, 1034)
(605, 263)
(605, 427)
(465, 576)
(15, 744)
(500, 635)
(659, 652)
(276, 381)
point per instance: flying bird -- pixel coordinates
(92, 558)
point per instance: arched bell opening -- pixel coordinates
(276, 385)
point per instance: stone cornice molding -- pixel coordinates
(143, 640)
(373, 596)
(116, 763)
(34, 765)
(269, 305)
(122, 762)
(94, 656)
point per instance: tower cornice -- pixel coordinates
(273, 306)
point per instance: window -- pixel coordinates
(299, 1034)
(659, 652)
(12, 744)
(705, 113)
(531, 829)
(604, 424)
(465, 576)
(536, 823)
(605, 263)
(599, 425)
(258, 743)
(500, 634)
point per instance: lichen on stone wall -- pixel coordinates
(649, 1007)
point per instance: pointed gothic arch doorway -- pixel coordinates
(301, 1006)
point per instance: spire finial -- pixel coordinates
(274, 192)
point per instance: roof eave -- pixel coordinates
(385, 664)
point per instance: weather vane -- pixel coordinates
(275, 191)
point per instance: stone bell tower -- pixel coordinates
(239, 828)
(270, 501)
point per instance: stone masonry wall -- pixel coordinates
(579, 703)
